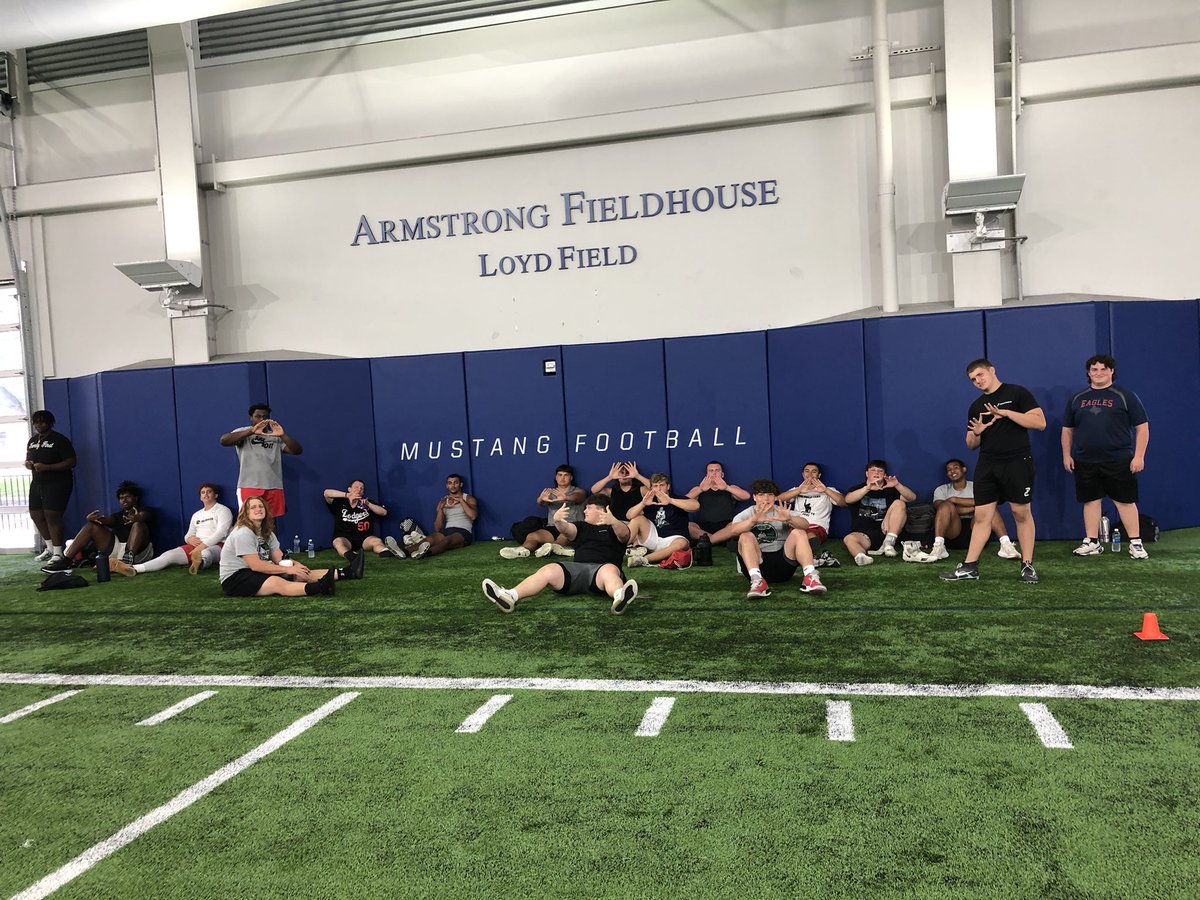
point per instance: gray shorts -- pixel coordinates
(580, 578)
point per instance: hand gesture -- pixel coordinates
(995, 410)
(978, 426)
(545, 496)
(615, 470)
(891, 481)
(718, 483)
(563, 513)
(130, 515)
(606, 517)
(631, 468)
(94, 516)
(450, 500)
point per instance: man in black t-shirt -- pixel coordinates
(596, 568)
(998, 426)
(659, 527)
(879, 511)
(50, 457)
(124, 534)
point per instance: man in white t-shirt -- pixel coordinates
(954, 507)
(813, 501)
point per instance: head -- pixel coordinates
(42, 421)
(129, 495)
(812, 470)
(209, 493)
(660, 481)
(714, 469)
(956, 470)
(564, 476)
(454, 483)
(255, 516)
(623, 475)
(356, 489)
(258, 412)
(876, 469)
(764, 489)
(594, 508)
(1101, 369)
(983, 375)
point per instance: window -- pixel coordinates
(16, 529)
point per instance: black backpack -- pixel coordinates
(1148, 528)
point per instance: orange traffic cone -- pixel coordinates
(1150, 630)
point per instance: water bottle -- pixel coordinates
(1104, 529)
(312, 550)
(102, 570)
(296, 545)
(1116, 543)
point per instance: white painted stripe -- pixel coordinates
(182, 801)
(1049, 732)
(177, 708)
(655, 717)
(34, 707)
(838, 720)
(961, 691)
(475, 720)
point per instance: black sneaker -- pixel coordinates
(1028, 573)
(58, 564)
(964, 572)
(323, 586)
(355, 562)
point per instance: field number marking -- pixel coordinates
(34, 707)
(1049, 732)
(656, 717)
(476, 720)
(178, 708)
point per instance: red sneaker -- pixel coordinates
(758, 589)
(812, 584)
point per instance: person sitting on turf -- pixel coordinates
(545, 540)
(813, 501)
(717, 501)
(124, 534)
(353, 522)
(659, 527)
(252, 563)
(953, 514)
(453, 524)
(880, 508)
(625, 487)
(771, 543)
(599, 547)
(201, 545)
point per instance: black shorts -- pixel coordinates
(244, 583)
(874, 536)
(51, 495)
(580, 578)
(468, 537)
(962, 540)
(712, 527)
(1004, 481)
(355, 538)
(1094, 481)
(776, 567)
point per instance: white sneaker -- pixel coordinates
(939, 552)
(889, 550)
(635, 561)
(1137, 551)
(624, 596)
(638, 551)
(560, 550)
(1088, 548)
(1008, 550)
(912, 551)
(514, 552)
(544, 550)
(863, 560)
(45, 555)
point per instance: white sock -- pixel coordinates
(939, 541)
(755, 574)
(1005, 539)
(889, 539)
(56, 549)
(809, 570)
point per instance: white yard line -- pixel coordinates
(476, 720)
(178, 708)
(655, 717)
(34, 707)
(182, 801)
(1049, 732)
(962, 691)
(839, 720)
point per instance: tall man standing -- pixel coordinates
(50, 457)
(998, 426)
(1104, 438)
(259, 446)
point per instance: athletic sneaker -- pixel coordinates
(1137, 551)
(422, 548)
(635, 561)
(889, 550)
(680, 559)
(911, 552)
(499, 596)
(812, 585)
(827, 561)
(394, 548)
(46, 555)
(544, 550)
(1028, 573)
(938, 553)
(1008, 550)
(963, 572)
(560, 550)
(758, 589)
(407, 526)
(863, 560)
(123, 568)
(514, 552)
(58, 564)
(637, 551)
(1088, 548)
(355, 562)
(876, 552)
(624, 596)
(127, 557)
(195, 561)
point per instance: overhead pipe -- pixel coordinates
(881, 50)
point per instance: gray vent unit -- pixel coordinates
(54, 63)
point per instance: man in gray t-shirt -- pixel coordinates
(260, 446)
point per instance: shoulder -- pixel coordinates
(744, 515)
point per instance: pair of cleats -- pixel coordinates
(679, 559)
(826, 561)
(970, 572)
(506, 600)
(810, 585)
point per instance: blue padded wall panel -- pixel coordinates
(616, 399)
(718, 407)
(210, 401)
(1044, 349)
(817, 412)
(518, 432)
(56, 397)
(420, 434)
(92, 490)
(137, 408)
(1157, 348)
(326, 405)
(917, 393)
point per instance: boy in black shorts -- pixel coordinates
(50, 457)
(599, 547)
(998, 426)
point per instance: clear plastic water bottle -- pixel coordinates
(1116, 543)
(296, 545)
(312, 549)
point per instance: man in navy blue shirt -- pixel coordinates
(1104, 438)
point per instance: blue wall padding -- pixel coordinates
(1044, 349)
(917, 393)
(817, 409)
(326, 405)
(717, 401)
(92, 488)
(56, 397)
(518, 432)
(137, 408)
(210, 401)
(420, 432)
(1157, 348)
(615, 394)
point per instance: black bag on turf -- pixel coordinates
(526, 527)
(920, 520)
(1148, 528)
(57, 581)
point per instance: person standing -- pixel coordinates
(259, 448)
(998, 424)
(50, 457)
(1104, 438)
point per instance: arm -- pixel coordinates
(562, 521)
(331, 495)
(374, 507)
(738, 493)
(855, 495)
(906, 493)
(1034, 418)
(577, 495)
(234, 438)
(64, 465)
(1068, 459)
(470, 506)
(1141, 440)
(439, 517)
(224, 523)
(696, 491)
(684, 503)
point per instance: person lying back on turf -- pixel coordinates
(599, 547)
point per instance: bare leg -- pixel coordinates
(548, 576)
(1129, 518)
(1091, 519)
(440, 543)
(1026, 529)
(981, 530)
